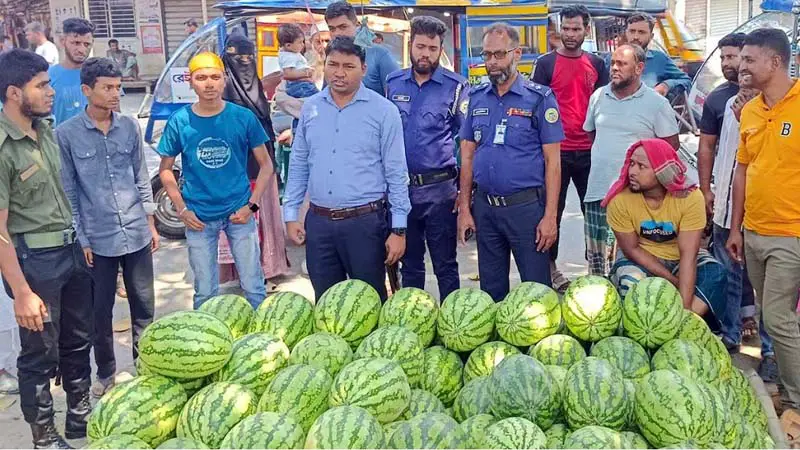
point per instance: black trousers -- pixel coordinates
(137, 273)
(60, 277)
(575, 165)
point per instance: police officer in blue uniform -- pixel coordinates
(510, 148)
(432, 101)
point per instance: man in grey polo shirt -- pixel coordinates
(620, 114)
(106, 180)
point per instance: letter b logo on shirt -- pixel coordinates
(787, 129)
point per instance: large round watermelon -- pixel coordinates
(559, 376)
(514, 433)
(255, 360)
(630, 392)
(349, 309)
(634, 440)
(558, 350)
(741, 434)
(671, 409)
(375, 384)
(429, 430)
(592, 309)
(556, 436)
(186, 344)
(687, 358)
(475, 398)
(422, 402)
(265, 430)
(466, 319)
(285, 315)
(181, 443)
(475, 428)
(146, 407)
(442, 373)
(398, 344)
(652, 312)
(528, 314)
(594, 394)
(720, 354)
(521, 387)
(189, 385)
(718, 407)
(299, 390)
(624, 354)
(594, 437)
(117, 441)
(413, 309)
(345, 427)
(214, 411)
(233, 310)
(325, 351)
(745, 400)
(390, 428)
(485, 358)
(694, 328)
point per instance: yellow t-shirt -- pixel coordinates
(658, 228)
(770, 146)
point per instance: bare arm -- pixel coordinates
(673, 140)
(265, 172)
(294, 74)
(688, 245)
(552, 180)
(705, 160)
(629, 244)
(170, 183)
(592, 135)
(465, 179)
(735, 244)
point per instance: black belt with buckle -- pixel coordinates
(502, 201)
(347, 213)
(422, 179)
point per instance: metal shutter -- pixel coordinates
(724, 19)
(696, 19)
(176, 12)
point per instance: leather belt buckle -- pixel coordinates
(417, 180)
(496, 200)
(338, 214)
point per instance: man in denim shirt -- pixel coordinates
(106, 180)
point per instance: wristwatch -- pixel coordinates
(253, 207)
(399, 231)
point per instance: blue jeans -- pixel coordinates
(300, 89)
(203, 248)
(739, 294)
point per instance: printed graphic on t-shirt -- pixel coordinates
(213, 153)
(657, 231)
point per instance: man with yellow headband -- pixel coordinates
(214, 138)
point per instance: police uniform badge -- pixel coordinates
(477, 135)
(464, 107)
(551, 115)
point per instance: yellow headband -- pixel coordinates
(205, 60)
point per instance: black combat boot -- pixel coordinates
(78, 407)
(46, 436)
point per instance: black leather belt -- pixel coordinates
(347, 213)
(422, 179)
(502, 201)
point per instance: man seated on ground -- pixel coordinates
(658, 217)
(124, 59)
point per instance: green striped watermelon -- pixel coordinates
(475, 428)
(466, 319)
(390, 428)
(325, 351)
(634, 440)
(265, 430)
(485, 358)
(375, 384)
(594, 394)
(594, 437)
(740, 434)
(214, 411)
(592, 308)
(349, 309)
(398, 344)
(285, 315)
(687, 358)
(746, 402)
(116, 441)
(521, 387)
(442, 373)
(559, 375)
(623, 353)
(630, 392)
(299, 390)
(720, 354)
(189, 385)
(558, 350)
(233, 310)
(422, 402)
(255, 360)
(556, 436)
(186, 344)
(528, 314)
(428, 430)
(670, 409)
(652, 312)
(514, 433)
(146, 407)
(694, 328)
(345, 427)
(474, 399)
(718, 407)
(181, 443)
(414, 309)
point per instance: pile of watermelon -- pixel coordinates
(589, 370)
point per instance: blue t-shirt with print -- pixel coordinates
(69, 99)
(214, 154)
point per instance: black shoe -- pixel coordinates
(46, 436)
(768, 369)
(78, 409)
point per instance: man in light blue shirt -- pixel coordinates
(347, 153)
(342, 21)
(66, 77)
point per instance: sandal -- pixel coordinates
(749, 328)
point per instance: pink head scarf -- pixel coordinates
(670, 170)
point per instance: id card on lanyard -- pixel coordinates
(500, 133)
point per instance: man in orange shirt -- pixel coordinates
(766, 202)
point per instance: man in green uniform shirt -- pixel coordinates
(40, 259)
